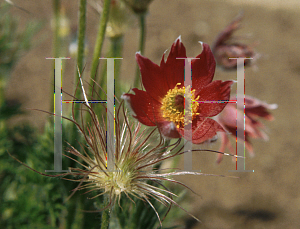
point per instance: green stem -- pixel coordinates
(81, 34)
(142, 18)
(105, 214)
(80, 51)
(56, 43)
(100, 39)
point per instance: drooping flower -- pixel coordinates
(226, 46)
(232, 115)
(138, 6)
(163, 102)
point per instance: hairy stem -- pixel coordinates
(105, 214)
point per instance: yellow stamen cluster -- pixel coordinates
(174, 112)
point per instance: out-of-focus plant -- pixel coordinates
(13, 43)
(23, 196)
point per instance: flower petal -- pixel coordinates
(153, 79)
(202, 129)
(203, 69)
(173, 68)
(146, 109)
(214, 92)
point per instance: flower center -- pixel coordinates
(173, 106)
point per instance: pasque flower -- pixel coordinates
(226, 46)
(163, 102)
(232, 115)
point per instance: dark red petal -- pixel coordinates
(203, 69)
(261, 112)
(203, 129)
(173, 68)
(168, 129)
(153, 79)
(214, 92)
(146, 109)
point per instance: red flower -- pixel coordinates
(225, 47)
(254, 109)
(162, 104)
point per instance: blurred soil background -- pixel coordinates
(269, 197)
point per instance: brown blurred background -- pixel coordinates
(267, 198)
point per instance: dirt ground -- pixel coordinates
(269, 197)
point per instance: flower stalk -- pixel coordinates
(100, 39)
(142, 21)
(81, 39)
